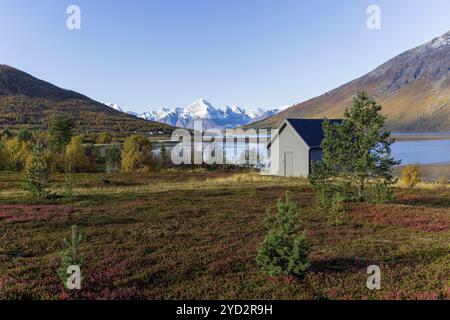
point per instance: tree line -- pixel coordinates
(59, 149)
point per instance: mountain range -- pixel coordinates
(26, 101)
(413, 88)
(201, 109)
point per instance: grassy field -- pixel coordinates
(195, 236)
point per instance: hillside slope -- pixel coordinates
(413, 88)
(28, 101)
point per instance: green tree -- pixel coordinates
(112, 158)
(284, 250)
(60, 132)
(356, 151)
(37, 172)
(137, 155)
(3, 156)
(25, 135)
(163, 158)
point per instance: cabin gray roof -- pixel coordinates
(311, 130)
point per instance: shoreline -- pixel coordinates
(429, 172)
(420, 136)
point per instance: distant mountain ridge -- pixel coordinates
(201, 109)
(413, 88)
(31, 102)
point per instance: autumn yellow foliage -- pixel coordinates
(104, 137)
(411, 175)
(137, 155)
(16, 153)
(75, 156)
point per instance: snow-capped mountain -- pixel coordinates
(115, 106)
(212, 117)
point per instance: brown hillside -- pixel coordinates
(28, 101)
(413, 88)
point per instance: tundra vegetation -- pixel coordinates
(195, 234)
(162, 232)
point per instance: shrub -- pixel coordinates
(283, 251)
(68, 185)
(336, 210)
(137, 155)
(3, 157)
(411, 175)
(24, 135)
(380, 192)
(37, 173)
(75, 157)
(442, 183)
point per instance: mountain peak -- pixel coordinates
(443, 40)
(200, 108)
(14, 82)
(413, 88)
(6, 68)
(218, 118)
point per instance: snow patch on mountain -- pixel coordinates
(116, 107)
(113, 105)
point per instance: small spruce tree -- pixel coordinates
(284, 251)
(37, 172)
(60, 132)
(71, 256)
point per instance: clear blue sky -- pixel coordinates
(145, 54)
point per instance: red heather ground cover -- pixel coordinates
(25, 213)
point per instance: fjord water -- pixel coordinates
(422, 152)
(409, 152)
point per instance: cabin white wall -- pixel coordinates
(289, 141)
